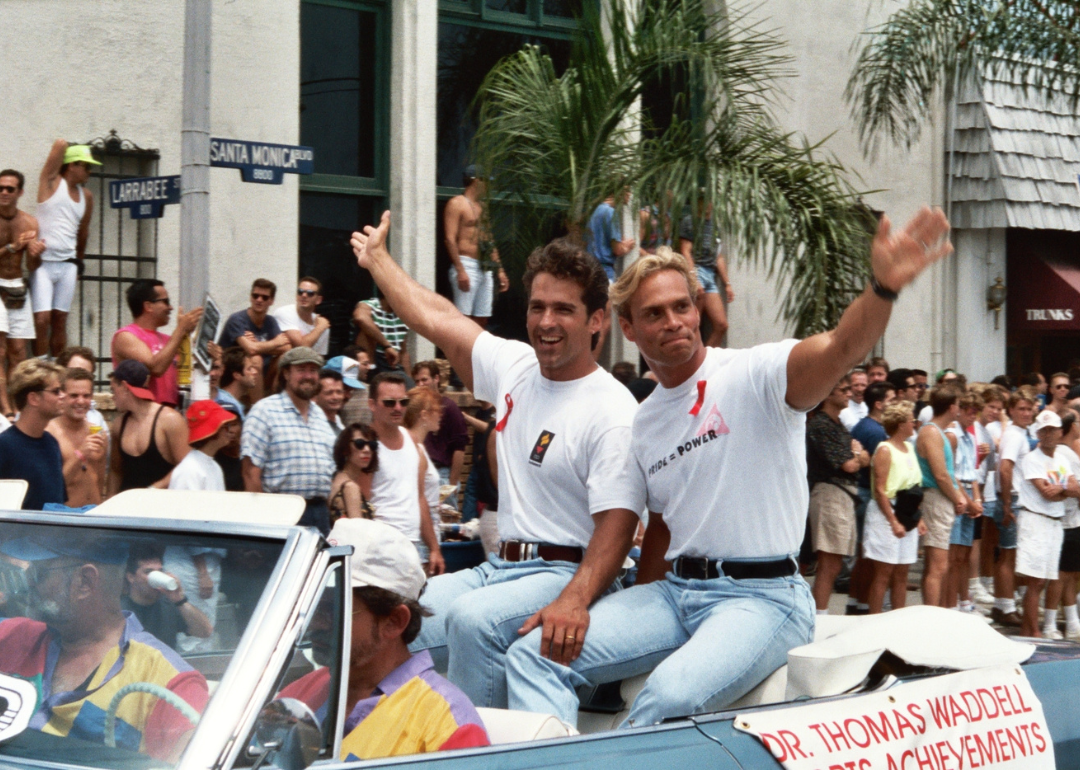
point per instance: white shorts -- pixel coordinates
(475, 302)
(880, 544)
(52, 286)
(1038, 545)
(17, 324)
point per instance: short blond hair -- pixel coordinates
(895, 415)
(627, 285)
(31, 376)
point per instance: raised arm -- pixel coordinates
(425, 312)
(896, 259)
(50, 172)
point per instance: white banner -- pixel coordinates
(974, 719)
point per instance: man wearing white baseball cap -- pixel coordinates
(396, 703)
(1047, 481)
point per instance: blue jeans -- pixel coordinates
(1006, 535)
(316, 514)
(707, 643)
(707, 278)
(477, 614)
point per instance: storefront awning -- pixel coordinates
(1044, 295)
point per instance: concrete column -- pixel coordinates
(979, 259)
(413, 68)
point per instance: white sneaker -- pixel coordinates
(1053, 634)
(980, 595)
(1072, 634)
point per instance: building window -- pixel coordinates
(344, 117)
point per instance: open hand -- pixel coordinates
(896, 258)
(565, 622)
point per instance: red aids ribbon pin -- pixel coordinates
(700, 397)
(509, 408)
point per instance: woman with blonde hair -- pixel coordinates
(888, 542)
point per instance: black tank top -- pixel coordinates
(140, 471)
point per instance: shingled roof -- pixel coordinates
(1016, 158)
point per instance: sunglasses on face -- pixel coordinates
(7, 189)
(161, 299)
(361, 443)
(263, 297)
(306, 292)
(390, 403)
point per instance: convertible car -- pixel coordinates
(916, 688)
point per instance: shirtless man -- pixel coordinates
(466, 241)
(64, 210)
(81, 446)
(18, 235)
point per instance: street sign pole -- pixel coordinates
(195, 164)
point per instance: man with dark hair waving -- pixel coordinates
(719, 459)
(565, 513)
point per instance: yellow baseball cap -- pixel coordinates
(79, 153)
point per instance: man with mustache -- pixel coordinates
(719, 460)
(77, 625)
(288, 445)
(563, 427)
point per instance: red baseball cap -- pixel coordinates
(136, 376)
(205, 418)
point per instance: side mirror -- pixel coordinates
(287, 735)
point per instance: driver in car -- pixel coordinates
(396, 702)
(79, 648)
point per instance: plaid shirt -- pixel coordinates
(296, 457)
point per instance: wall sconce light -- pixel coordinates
(995, 299)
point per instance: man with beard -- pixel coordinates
(287, 445)
(82, 445)
(395, 703)
(719, 461)
(77, 627)
(27, 451)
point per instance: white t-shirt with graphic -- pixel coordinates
(288, 318)
(563, 448)
(1053, 469)
(723, 457)
(1015, 446)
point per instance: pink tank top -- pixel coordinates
(166, 388)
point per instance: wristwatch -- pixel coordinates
(11, 248)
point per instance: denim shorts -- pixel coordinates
(1006, 535)
(707, 278)
(963, 531)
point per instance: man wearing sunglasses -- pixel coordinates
(148, 300)
(18, 236)
(27, 450)
(254, 329)
(300, 323)
(565, 515)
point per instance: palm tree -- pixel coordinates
(565, 142)
(922, 51)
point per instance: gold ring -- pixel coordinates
(570, 637)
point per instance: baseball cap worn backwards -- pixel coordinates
(136, 376)
(348, 368)
(300, 355)
(382, 557)
(79, 153)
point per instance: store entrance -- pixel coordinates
(1048, 352)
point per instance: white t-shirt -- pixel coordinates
(288, 318)
(853, 413)
(564, 446)
(395, 491)
(730, 477)
(1072, 505)
(1015, 447)
(198, 470)
(1053, 469)
(987, 471)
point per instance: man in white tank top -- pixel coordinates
(397, 491)
(64, 210)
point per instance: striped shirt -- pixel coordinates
(392, 327)
(296, 456)
(412, 711)
(144, 723)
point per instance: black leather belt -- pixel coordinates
(515, 550)
(700, 568)
(315, 501)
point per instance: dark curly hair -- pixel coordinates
(344, 444)
(562, 258)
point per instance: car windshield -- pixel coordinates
(114, 640)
